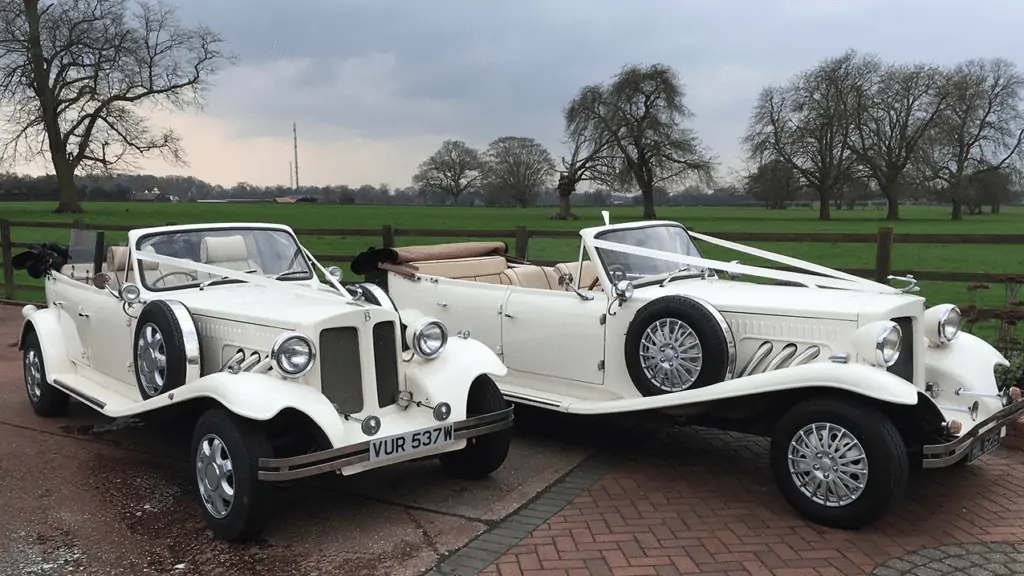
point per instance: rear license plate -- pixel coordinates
(401, 445)
(985, 444)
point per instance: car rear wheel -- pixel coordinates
(226, 451)
(486, 453)
(838, 463)
(46, 400)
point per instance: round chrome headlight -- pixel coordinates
(429, 338)
(293, 354)
(949, 324)
(887, 346)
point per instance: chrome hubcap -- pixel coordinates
(151, 359)
(216, 476)
(828, 464)
(33, 375)
(671, 354)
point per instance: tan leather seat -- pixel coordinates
(227, 252)
(118, 265)
(488, 269)
(537, 277)
(585, 278)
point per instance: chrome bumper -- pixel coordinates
(942, 455)
(279, 469)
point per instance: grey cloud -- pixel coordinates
(476, 70)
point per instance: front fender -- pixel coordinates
(968, 362)
(859, 379)
(258, 397)
(452, 373)
(46, 324)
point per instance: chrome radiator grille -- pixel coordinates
(341, 374)
(385, 356)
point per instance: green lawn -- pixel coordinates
(913, 257)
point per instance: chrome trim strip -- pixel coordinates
(806, 356)
(951, 452)
(514, 397)
(787, 352)
(80, 395)
(277, 469)
(730, 338)
(190, 338)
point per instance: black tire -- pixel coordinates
(47, 401)
(713, 342)
(159, 314)
(245, 442)
(482, 454)
(888, 465)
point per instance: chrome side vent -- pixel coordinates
(782, 359)
(786, 358)
(806, 356)
(760, 354)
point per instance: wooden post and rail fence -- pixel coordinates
(883, 240)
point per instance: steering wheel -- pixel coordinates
(190, 275)
(615, 269)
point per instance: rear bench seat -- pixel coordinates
(495, 270)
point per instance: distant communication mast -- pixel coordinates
(295, 145)
(291, 176)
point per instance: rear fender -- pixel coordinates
(45, 323)
(448, 377)
(858, 379)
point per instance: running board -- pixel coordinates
(94, 395)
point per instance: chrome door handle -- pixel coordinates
(442, 304)
(83, 314)
(507, 315)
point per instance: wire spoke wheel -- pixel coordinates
(671, 354)
(828, 464)
(151, 359)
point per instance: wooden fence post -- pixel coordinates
(387, 233)
(5, 249)
(522, 242)
(883, 255)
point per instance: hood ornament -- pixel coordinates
(912, 287)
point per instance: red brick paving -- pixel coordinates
(710, 507)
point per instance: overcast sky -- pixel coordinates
(376, 85)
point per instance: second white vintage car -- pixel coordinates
(286, 374)
(854, 381)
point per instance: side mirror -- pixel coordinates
(129, 292)
(101, 281)
(624, 290)
(734, 275)
(565, 280)
(336, 273)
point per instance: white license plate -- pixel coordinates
(416, 441)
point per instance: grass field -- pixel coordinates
(913, 257)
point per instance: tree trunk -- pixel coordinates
(824, 208)
(995, 208)
(958, 209)
(648, 194)
(564, 208)
(69, 202)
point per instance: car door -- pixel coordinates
(554, 333)
(107, 335)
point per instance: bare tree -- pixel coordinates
(450, 171)
(516, 169)
(73, 74)
(774, 183)
(981, 130)
(589, 149)
(807, 124)
(641, 113)
(891, 113)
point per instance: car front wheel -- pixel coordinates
(839, 463)
(226, 451)
(486, 453)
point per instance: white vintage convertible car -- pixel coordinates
(286, 374)
(854, 381)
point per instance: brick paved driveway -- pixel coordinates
(703, 501)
